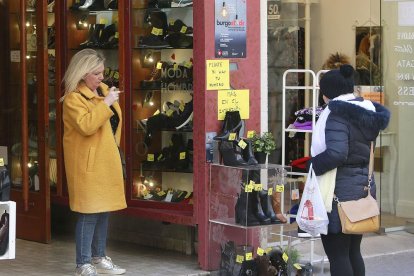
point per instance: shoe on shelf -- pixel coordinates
(153, 41)
(178, 26)
(181, 3)
(104, 265)
(86, 270)
(180, 40)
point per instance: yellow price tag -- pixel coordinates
(260, 251)
(270, 191)
(145, 193)
(175, 66)
(258, 187)
(182, 155)
(188, 64)
(248, 188)
(169, 112)
(250, 133)
(116, 35)
(159, 157)
(181, 107)
(232, 136)
(183, 29)
(1, 162)
(159, 65)
(252, 182)
(150, 157)
(116, 75)
(249, 256)
(268, 250)
(156, 31)
(172, 21)
(161, 193)
(280, 188)
(157, 112)
(239, 259)
(102, 21)
(242, 144)
(297, 266)
(285, 257)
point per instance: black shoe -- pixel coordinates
(231, 154)
(4, 232)
(248, 154)
(178, 26)
(153, 41)
(244, 211)
(232, 124)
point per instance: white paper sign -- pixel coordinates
(15, 56)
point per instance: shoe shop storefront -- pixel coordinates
(191, 152)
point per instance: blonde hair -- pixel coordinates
(81, 64)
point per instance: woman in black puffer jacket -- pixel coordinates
(351, 123)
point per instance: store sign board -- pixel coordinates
(218, 74)
(232, 100)
(230, 29)
(273, 9)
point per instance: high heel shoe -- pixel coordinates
(232, 124)
(231, 154)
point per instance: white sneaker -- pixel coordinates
(86, 270)
(104, 265)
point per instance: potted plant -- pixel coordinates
(263, 145)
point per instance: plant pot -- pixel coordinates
(261, 157)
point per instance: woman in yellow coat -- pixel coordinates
(92, 121)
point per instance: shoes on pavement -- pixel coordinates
(104, 265)
(86, 270)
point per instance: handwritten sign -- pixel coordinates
(231, 100)
(218, 74)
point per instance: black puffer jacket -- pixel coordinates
(348, 134)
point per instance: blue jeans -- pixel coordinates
(91, 233)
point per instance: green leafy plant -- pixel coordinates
(264, 143)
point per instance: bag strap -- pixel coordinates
(371, 164)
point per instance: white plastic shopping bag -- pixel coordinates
(312, 217)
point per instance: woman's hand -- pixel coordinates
(112, 96)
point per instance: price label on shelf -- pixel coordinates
(239, 259)
(249, 256)
(172, 21)
(249, 188)
(150, 157)
(280, 188)
(161, 193)
(156, 112)
(232, 136)
(260, 251)
(250, 134)
(188, 64)
(268, 250)
(297, 266)
(169, 112)
(175, 66)
(181, 107)
(159, 65)
(295, 194)
(1, 162)
(270, 191)
(103, 21)
(182, 155)
(258, 187)
(242, 144)
(159, 157)
(285, 257)
(156, 31)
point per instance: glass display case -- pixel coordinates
(246, 209)
(161, 105)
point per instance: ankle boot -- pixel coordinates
(276, 204)
(257, 208)
(231, 154)
(232, 124)
(244, 212)
(248, 154)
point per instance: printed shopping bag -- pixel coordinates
(312, 217)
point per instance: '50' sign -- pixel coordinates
(273, 9)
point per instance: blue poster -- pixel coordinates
(230, 29)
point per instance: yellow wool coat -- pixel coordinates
(92, 161)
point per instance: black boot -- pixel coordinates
(266, 202)
(107, 38)
(244, 211)
(232, 124)
(257, 208)
(231, 154)
(156, 39)
(248, 154)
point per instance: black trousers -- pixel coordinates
(344, 254)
